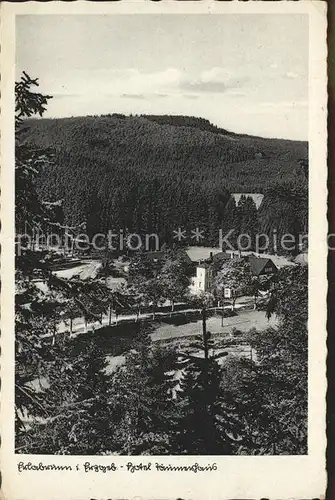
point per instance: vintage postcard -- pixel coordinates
(164, 243)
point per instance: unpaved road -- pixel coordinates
(244, 322)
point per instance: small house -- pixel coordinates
(261, 266)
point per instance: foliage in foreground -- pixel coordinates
(157, 403)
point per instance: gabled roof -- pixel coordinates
(258, 264)
(278, 260)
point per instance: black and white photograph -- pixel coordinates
(161, 222)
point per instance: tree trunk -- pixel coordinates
(71, 326)
(172, 307)
(33, 240)
(204, 332)
(110, 315)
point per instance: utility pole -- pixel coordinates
(204, 331)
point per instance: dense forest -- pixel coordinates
(157, 173)
(161, 400)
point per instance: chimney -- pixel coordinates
(211, 255)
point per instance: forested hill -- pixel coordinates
(156, 173)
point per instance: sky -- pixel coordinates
(247, 73)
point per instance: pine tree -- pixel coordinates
(231, 222)
(249, 221)
(141, 392)
(273, 401)
(174, 281)
(40, 295)
(235, 274)
(79, 417)
(208, 424)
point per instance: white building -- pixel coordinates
(202, 280)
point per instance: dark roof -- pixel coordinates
(258, 264)
(221, 256)
(205, 265)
